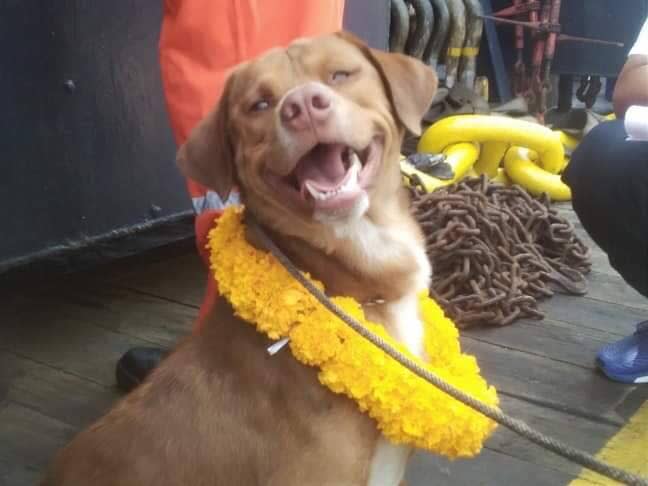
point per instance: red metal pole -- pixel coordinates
(549, 52)
(519, 71)
(535, 91)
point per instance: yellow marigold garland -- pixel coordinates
(406, 408)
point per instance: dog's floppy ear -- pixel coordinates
(207, 156)
(410, 84)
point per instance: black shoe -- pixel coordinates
(135, 365)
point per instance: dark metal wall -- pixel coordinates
(86, 151)
(84, 139)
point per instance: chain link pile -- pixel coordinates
(496, 251)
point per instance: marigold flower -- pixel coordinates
(407, 409)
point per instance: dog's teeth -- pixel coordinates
(356, 163)
(314, 192)
(318, 195)
(355, 160)
(352, 179)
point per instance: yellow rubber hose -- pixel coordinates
(490, 158)
(569, 141)
(519, 166)
(461, 157)
(484, 128)
(501, 177)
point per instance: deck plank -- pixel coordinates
(556, 340)
(19, 473)
(589, 435)
(146, 317)
(616, 319)
(28, 441)
(181, 279)
(612, 289)
(54, 393)
(490, 468)
(553, 384)
(41, 408)
(83, 329)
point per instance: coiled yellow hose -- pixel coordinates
(485, 128)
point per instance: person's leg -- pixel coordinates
(608, 177)
(200, 41)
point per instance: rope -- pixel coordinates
(518, 426)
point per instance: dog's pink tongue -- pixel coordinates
(323, 166)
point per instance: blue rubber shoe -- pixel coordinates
(626, 360)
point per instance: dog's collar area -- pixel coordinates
(256, 240)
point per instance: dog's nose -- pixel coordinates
(304, 106)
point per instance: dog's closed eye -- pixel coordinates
(339, 76)
(260, 105)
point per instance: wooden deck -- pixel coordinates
(60, 339)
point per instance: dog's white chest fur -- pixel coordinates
(376, 246)
(388, 462)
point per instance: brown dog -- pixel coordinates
(311, 134)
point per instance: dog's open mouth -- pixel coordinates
(332, 176)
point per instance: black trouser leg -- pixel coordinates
(608, 177)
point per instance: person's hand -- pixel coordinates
(632, 85)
